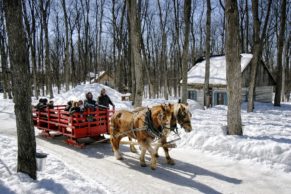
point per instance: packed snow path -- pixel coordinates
(194, 172)
(207, 161)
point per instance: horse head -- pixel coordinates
(183, 116)
(162, 115)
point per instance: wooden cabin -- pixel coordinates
(218, 84)
(103, 77)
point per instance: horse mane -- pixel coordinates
(177, 107)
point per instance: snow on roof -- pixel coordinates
(99, 74)
(217, 70)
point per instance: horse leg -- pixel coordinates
(161, 141)
(142, 155)
(131, 146)
(115, 146)
(168, 158)
(153, 156)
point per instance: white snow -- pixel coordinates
(217, 70)
(79, 92)
(207, 160)
(266, 139)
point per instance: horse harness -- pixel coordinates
(149, 127)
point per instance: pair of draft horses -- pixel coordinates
(147, 124)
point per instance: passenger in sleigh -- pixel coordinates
(104, 100)
(76, 107)
(41, 107)
(103, 104)
(68, 106)
(90, 104)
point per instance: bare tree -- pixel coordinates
(277, 100)
(207, 63)
(45, 12)
(66, 65)
(233, 68)
(187, 14)
(21, 88)
(257, 50)
(4, 58)
(163, 21)
(135, 51)
(247, 26)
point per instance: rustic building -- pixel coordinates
(218, 84)
(103, 77)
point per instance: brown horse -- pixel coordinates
(181, 115)
(144, 126)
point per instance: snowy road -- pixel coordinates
(194, 172)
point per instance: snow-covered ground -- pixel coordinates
(266, 139)
(207, 160)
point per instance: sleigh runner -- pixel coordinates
(77, 125)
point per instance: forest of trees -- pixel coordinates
(67, 39)
(59, 43)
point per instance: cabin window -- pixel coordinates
(192, 94)
(219, 98)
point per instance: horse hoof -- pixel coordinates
(143, 165)
(171, 162)
(118, 156)
(153, 167)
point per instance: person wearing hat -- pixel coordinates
(104, 100)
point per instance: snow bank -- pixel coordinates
(266, 139)
(78, 93)
(192, 104)
(56, 178)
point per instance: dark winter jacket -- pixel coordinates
(42, 104)
(104, 101)
(75, 109)
(89, 103)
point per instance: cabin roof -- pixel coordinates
(217, 70)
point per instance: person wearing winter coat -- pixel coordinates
(89, 102)
(104, 100)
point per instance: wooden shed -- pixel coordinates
(103, 77)
(218, 84)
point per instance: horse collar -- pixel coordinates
(150, 125)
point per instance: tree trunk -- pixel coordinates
(163, 59)
(247, 26)
(277, 101)
(233, 68)
(4, 64)
(45, 17)
(207, 64)
(66, 65)
(187, 14)
(257, 50)
(21, 88)
(135, 50)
